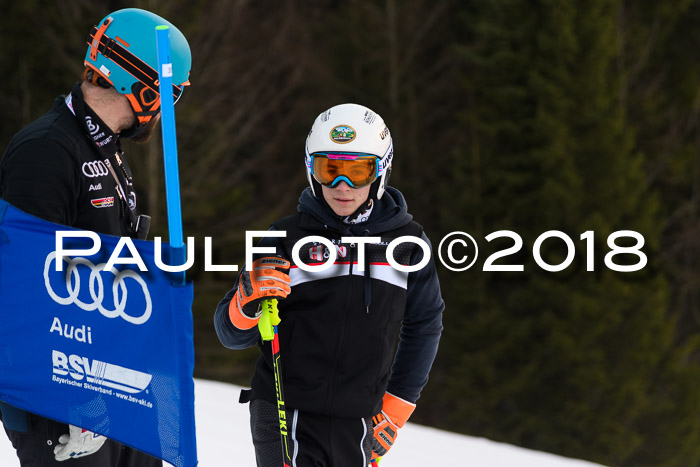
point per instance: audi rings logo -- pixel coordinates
(95, 169)
(96, 288)
(92, 126)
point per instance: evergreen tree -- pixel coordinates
(562, 361)
(661, 95)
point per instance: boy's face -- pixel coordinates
(344, 199)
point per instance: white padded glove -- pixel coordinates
(77, 443)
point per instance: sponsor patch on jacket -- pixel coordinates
(320, 253)
(103, 202)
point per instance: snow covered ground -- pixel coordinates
(223, 439)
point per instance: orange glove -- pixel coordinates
(268, 278)
(394, 414)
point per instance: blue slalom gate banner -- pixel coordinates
(110, 351)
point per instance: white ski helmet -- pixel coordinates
(349, 130)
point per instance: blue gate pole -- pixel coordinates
(172, 178)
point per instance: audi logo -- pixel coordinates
(95, 169)
(97, 288)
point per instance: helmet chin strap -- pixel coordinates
(138, 129)
(134, 132)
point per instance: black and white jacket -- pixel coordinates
(338, 327)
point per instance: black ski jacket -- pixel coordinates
(51, 169)
(338, 327)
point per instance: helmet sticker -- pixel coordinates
(105, 71)
(370, 117)
(386, 160)
(342, 134)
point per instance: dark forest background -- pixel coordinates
(506, 115)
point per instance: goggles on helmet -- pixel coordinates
(145, 93)
(357, 170)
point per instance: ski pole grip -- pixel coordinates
(269, 318)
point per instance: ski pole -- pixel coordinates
(269, 319)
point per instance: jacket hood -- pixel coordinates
(389, 213)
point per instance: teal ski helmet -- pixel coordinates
(122, 52)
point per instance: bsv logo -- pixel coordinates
(96, 288)
(97, 372)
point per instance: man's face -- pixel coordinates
(343, 199)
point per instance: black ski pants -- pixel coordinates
(316, 440)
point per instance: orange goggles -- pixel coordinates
(357, 170)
